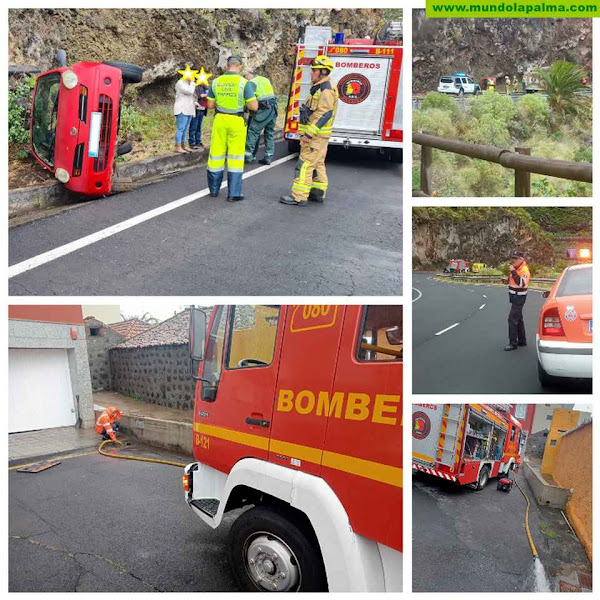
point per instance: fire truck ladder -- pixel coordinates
(449, 438)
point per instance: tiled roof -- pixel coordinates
(172, 331)
(130, 328)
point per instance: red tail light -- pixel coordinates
(551, 324)
(186, 483)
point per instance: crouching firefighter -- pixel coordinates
(229, 94)
(263, 120)
(518, 281)
(108, 423)
(315, 127)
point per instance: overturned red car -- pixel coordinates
(75, 123)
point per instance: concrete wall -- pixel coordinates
(545, 494)
(573, 469)
(98, 347)
(154, 374)
(32, 334)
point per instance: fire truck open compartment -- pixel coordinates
(484, 439)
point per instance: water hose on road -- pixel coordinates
(142, 458)
(533, 548)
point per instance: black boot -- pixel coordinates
(509, 348)
(265, 161)
(234, 198)
(291, 202)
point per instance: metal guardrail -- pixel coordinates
(488, 278)
(520, 161)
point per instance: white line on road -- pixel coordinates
(484, 296)
(46, 257)
(447, 329)
(419, 296)
(481, 306)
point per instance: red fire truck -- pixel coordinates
(465, 443)
(75, 123)
(298, 414)
(368, 76)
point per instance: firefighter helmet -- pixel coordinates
(322, 62)
(517, 254)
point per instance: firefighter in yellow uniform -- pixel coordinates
(229, 94)
(316, 124)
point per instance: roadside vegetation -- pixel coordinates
(556, 126)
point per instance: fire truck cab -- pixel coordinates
(368, 76)
(298, 420)
(465, 443)
(75, 123)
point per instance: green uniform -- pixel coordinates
(263, 120)
(231, 92)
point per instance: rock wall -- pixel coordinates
(100, 339)
(155, 374)
(486, 237)
(494, 47)
(163, 40)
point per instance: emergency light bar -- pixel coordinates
(579, 254)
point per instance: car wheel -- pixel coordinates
(484, 477)
(131, 73)
(269, 551)
(124, 148)
(293, 146)
(396, 155)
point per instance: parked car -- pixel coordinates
(458, 84)
(75, 123)
(457, 266)
(565, 329)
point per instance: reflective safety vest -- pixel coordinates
(105, 422)
(519, 284)
(228, 90)
(264, 89)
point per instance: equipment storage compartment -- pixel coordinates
(478, 437)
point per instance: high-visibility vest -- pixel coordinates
(264, 89)
(519, 288)
(104, 422)
(228, 90)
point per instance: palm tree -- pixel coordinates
(562, 81)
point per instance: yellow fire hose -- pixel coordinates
(533, 549)
(152, 460)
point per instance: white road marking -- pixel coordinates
(481, 306)
(419, 296)
(484, 296)
(447, 329)
(46, 257)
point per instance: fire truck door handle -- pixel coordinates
(259, 422)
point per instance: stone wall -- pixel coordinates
(98, 345)
(154, 374)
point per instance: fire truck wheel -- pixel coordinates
(269, 551)
(484, 476)
(131, 73)
(293, 146)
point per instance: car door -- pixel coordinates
(233, 408)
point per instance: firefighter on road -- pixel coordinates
(518, 281)
(229, 94)
(316, 125)
(263, 120)
(108, 423)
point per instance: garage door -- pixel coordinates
(39, 390)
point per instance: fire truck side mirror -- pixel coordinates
(197, 334)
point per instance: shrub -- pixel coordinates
(434, 121)
(18, 101)
(490, 104)
(534, 110)
(441, 101)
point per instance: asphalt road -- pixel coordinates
(468, 541)
(95, 524)
(350, 245)
(469, 358)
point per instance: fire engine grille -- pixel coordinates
(105, 106)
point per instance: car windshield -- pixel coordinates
(44, 117)
(576, 282)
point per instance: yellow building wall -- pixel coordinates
(573, 469)
(562, 420)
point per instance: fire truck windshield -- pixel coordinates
(44, 117)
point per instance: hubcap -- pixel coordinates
(270, 563)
